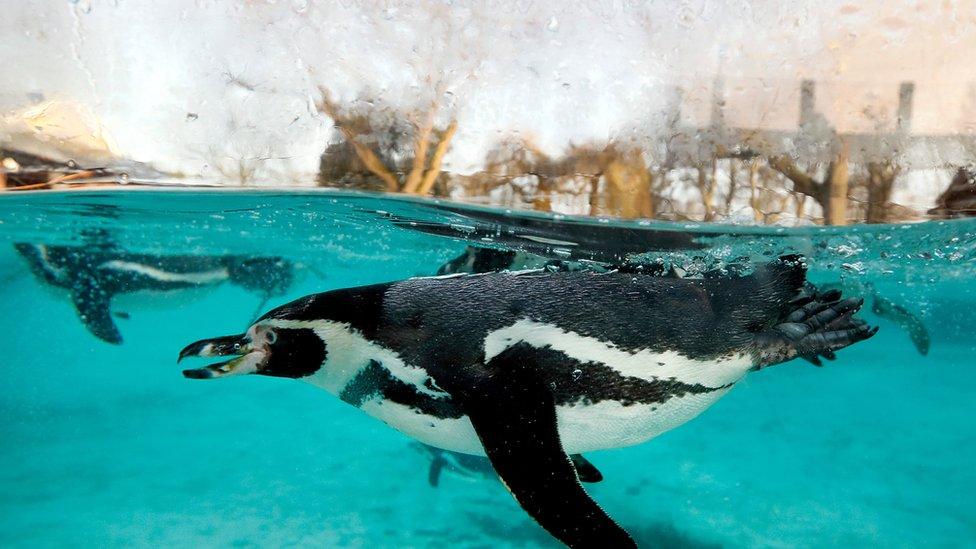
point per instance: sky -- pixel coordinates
(201, 87)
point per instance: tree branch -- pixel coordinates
(421, 143)
(802, 183)
(435, 163)
(369, 159)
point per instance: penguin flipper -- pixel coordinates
(434, 473)
(905, 319)
(514, 415)
(586, 471)
(92, 303)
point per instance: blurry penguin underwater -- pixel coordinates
(509, 360)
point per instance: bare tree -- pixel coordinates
(450, 47)
(880, 183)
(427, 143)
(831, 192)
(629, 184)
(355, 129)
(706, 188)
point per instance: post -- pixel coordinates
(906, 93)
(718, 103)
(673, 108)
(808, 102)
(754, 190)
(835, 208)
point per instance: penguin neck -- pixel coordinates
(350, 355)
(340, 363)
(347, 352)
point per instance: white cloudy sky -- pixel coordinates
(248, 71)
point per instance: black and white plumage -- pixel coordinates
(94, 275)
(528, 368)
(478, 259)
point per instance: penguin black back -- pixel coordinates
(430, 317)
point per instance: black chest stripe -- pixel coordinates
(376, 381)
(573, 382)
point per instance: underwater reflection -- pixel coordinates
(479, 467)
(96, 273)
(587, 240)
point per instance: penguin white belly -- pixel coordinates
(586, 424)
(582, 427)
(610, 424)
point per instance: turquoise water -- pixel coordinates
(109, 445)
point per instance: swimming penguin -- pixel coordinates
(95, 274)
(531, 368)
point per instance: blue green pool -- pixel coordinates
(108, 445)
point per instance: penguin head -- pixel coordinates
(265, 349)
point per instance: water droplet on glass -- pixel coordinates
(122, 179)
(553, 25)
(84, 6)
(577, 374)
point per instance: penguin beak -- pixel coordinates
(217, 346)
(249, 359)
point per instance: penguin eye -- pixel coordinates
(272, 337)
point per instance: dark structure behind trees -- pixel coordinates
(959, 200)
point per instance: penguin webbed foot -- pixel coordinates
(822, 323)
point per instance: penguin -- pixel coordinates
(95, 274)
(529, 368)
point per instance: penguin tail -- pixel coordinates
(782, 279)
(815, 326)
(762, 298)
